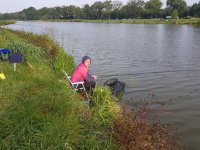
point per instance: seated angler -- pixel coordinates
(81, 73)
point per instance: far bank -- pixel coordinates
(191, 21)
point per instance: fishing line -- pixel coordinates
(40, 27)
(26, 25)
(141, 73)
(8, 37)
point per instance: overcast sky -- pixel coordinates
(18, 5)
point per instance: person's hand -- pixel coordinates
(94, 77)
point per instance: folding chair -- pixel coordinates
(77, 86)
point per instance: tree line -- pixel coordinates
(134, 9)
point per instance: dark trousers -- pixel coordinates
(89, 85)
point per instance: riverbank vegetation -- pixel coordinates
(190, 21)
(39, 110)
(111, 10)
(7, 22)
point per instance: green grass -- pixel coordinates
(106, 108)
(39, 110)
(38, 113)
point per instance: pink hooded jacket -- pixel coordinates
(81, 74)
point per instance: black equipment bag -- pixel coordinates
(116, 87)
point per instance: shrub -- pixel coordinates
(133, 131)
(6, 22)
(104, 104)
(30, 52)
(63, 61)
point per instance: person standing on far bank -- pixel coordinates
(81, 73)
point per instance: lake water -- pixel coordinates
(157, 62)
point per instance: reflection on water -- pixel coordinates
(158, 62)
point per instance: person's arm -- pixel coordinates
(89, 77)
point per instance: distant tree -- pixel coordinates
(1, 16)
(59, 12)
(123, 13)
(98, 7)
(135, 8)
(166, 12)
(86, 10)
(42, 13)
(174, 14)
(69, 12)
(108, 6)
(179, 5)
(117, 5)
(109, 9)
(53, 13)
(30, 13)
(6, 16)
(195, 10)
(14, 15)
(78, 13)
(153, 7)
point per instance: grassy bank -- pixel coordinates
(6, 22)
(191, 21)
(39, 110)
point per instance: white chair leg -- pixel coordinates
(85, 92)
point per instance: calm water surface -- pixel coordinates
(159, 62)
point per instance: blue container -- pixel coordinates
(4, 51)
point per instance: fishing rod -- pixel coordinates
(7, 37)
(38, 27)
(140, 73)
(26, 25)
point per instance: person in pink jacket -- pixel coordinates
(81, 73)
